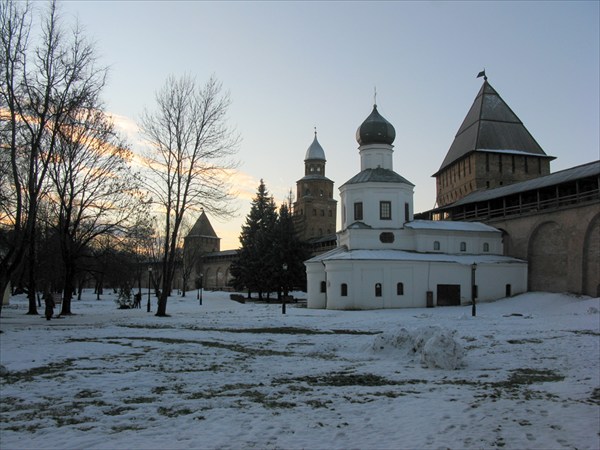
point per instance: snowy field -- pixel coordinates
(522, 374)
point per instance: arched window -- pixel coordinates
(486, 247)
(378, 290)
(344, 291)
(400, 289)
(323, 286)
(463, 246)
(436, 245)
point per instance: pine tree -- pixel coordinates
(291, 252)
(254, 268)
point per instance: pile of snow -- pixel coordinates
(434, 345)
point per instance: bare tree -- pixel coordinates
(190, 149)
(40, 88)
(94, 191)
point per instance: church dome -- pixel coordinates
(315, 151)
(375, 130)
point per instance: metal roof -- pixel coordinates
(377, 175)
(563, 176)
(489, 125)
(315, 151)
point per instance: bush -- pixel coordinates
(124, 300)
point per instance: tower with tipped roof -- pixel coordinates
(315, 207)
(492, 148)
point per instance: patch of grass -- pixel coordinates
(173, 412)
(139, 400)
(345, 379)
(585, 332)
(525, 341)
(52, 370)
(531, 376)
(258, 330)
(117, 410)
(595, 397)
(88, 393)
(128, 427)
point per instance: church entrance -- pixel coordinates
(448, 294)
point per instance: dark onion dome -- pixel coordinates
(375, 130)
(315, 151)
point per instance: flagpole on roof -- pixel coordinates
(482, 74)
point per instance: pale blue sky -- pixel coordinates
(291, 66)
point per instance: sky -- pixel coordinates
(292, 66)
(523, 374)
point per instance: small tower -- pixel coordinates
(315, 207)
(492, 148)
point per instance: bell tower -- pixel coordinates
(315, 207)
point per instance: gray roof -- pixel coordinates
(563, 176)
(377, 175)
(315, 151)
(491, 125)
(202, 227)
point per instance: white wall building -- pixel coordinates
(385, 259)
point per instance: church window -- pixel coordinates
(526, 164)
(513, 163)
(378, 290)
(436, 245)
(500, 163)
(385, 210)
(539, 165)
(344, 290)
(406, 212)
(386, 237)
(321, 193)
(486, 247)
(487, 162)
(322, 213)
(320, 231)
(323, 286)
(314, 212)
(318, 169)
(358, 211)
(330, 213)
(463, 246)
(400, 289)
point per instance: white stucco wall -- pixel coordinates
(417, 277)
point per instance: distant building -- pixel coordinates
(385, 259)
(315, 209)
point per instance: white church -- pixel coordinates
(386, 259)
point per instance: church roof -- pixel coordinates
(490, 125)
(315, 151)
(375, 130)
(202, 227)
(377, 175)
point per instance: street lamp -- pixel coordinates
(200, 290)
(149, 277)
(473, 290)
(284, 267)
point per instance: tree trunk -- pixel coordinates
(68, 290)
(31, 288)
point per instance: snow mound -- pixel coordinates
(436, 346)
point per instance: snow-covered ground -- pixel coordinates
(232, 375)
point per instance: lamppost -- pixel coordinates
(200, 290)
(149, 277)
(473, 290)
(284, 267)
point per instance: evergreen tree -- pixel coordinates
(291, 252)
(254, 268)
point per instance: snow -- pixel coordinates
(449, 225)
(341, 253)
(524, 373)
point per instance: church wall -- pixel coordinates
(364, 278)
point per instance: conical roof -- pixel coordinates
(490, 124)
(202, 227)
(315, 151)
(375, 130)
